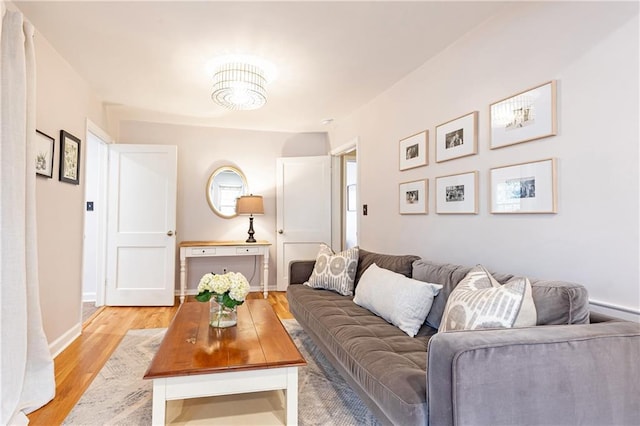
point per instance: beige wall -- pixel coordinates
(64, 101)
(591, 49)
(203, 149)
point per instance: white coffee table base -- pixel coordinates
(227, 383)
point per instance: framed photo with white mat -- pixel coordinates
(524, 188)
(524, 117)
(457, 194)
(413, 197)
(414, 151)
(457, 138)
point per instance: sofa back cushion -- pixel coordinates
(557, 302)
(445, 274)
(401, 264)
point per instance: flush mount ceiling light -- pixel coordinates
(239, 85)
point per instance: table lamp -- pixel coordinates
(250, 205)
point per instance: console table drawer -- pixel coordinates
(247, 250)
(200, 251)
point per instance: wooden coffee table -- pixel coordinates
(196, 360)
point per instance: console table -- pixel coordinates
(223, 248)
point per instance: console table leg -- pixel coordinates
(183, 277)
(265, 272)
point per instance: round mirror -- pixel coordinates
(224, 186)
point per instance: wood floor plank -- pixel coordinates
(80, 362)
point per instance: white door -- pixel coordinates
(303, 220)
(141, 226)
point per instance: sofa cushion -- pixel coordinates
(556, 302)
(334, 271)
(402, 301)
(402, 264)
(365, 346)
(445, 274)
(479, 301)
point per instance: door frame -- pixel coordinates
(99, 243)
(337, 192)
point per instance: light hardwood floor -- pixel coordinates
(80, 362)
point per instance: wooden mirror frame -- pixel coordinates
(210, 186)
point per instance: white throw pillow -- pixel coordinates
(479, 301)
(402, 301)
(335, 272)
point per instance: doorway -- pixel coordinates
(95, 215)
(350, 200)
(345, 195)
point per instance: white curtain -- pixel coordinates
(27, 367)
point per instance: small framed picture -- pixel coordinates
(524, 117)
(69, 158)
(524, 188)
(414, 151)
(44, 154)
(413, 197)
(457, 138)
(457, 194)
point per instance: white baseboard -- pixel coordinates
(89, 297)
(616, 311)
(65, 340)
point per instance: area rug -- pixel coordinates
(119, 396)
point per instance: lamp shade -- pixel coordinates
(249, 204)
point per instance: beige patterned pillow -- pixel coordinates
(335, 272)
(479, 301)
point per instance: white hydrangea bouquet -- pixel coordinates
(228, 289)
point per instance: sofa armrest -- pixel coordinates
(558, 374)
(300, 271)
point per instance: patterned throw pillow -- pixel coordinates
(479, 301)
(335, 272)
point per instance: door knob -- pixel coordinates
(280, 231)
(170, 233)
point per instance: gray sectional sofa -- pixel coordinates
(572, 368)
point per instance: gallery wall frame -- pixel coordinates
(45, 147)
(457, 138)
(414, 197)
(525, 116)
(457, 194)
(69, 158)
(524, 188)
(414, 151)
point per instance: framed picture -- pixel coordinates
(457, 138)
(414, 151)
(413, 197)
(351, 198)
(524, 117)
(457, 194)
(524, 188)
(44, 154)
(69, 158)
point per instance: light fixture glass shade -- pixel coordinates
(250, 204)
(239, 86)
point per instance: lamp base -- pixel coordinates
(251, 231)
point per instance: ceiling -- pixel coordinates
(150, 59)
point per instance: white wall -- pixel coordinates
(591, 49)
(201, 150)
(64, 101)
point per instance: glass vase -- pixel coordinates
(221, 316)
